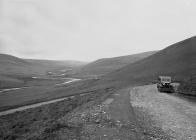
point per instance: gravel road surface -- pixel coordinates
(162, 111)
(112, 119)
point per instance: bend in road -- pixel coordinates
(175, 116)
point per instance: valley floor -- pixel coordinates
(136, 113)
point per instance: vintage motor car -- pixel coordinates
(164, 84)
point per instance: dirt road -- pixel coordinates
(113, 119)
(135, 113)
(175, 116)
(139, 113)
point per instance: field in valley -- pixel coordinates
(45, 121)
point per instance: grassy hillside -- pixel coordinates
(11, 64)
(8, 59)
(56, 63)
(107, 65)
(188, 86)
(14, 70)
(177, 60)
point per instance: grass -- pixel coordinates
(36, 90)
(177, 61)
(43, 122)
(188, 86)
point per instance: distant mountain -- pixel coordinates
(107, 65)
(13, 65)
(178, 61)
(56, 63)
(8, 59)
(13, 69)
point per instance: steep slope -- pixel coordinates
(107, 65)
(177, 60)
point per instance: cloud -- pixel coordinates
(91, 29)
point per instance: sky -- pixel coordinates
(87, 30)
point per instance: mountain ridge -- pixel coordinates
(177, 60)
(107, 65)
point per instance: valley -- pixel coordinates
(19, 94)
(114, 98)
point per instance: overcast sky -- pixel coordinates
(90, 29)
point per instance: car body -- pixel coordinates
(164, 84)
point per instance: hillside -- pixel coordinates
(188, 86)
(56, 63)
(14, 65)
(107, 65)
(177, 60)
(14, 70)
(8, 59)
